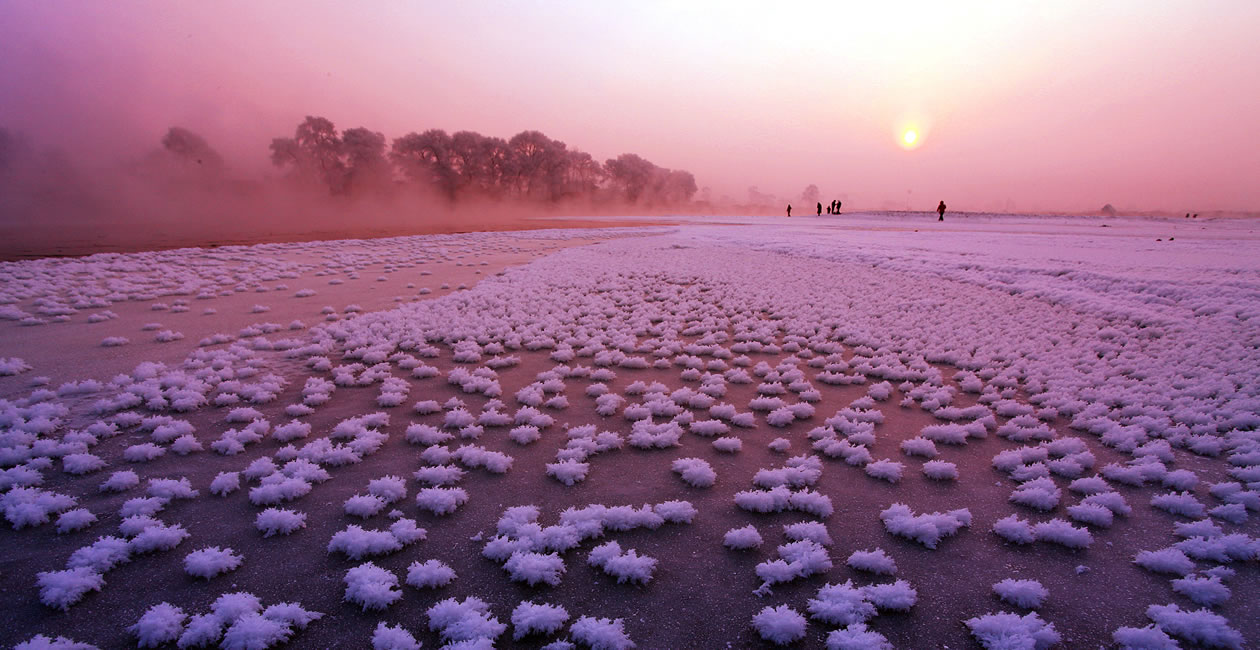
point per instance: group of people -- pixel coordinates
(834, 208)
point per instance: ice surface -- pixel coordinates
(1140, 387)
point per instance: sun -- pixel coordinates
(910, 132)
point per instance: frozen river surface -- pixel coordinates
(861, 432)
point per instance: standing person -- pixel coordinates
(940, 210)
(789, 210)
(837, 210)
(820, 208)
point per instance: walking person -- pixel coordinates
(940, 211)
(789, 210)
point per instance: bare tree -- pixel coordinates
(583, 174)
(425, 159)
(465, 162)
(680, 186)
(631, 174)
(367, 168)
(539, 165)
(495, 166)
(315, 154)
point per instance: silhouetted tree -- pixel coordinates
(538, 165)
(811, 194)
(680, 186)
(583, 174)
(425, 159)
(315, 154)
(465, 162)
(528, 166)
(367, 168)
(631, 174)
(191, 148)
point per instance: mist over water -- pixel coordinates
(325, 184)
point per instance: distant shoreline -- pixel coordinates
(41, 240)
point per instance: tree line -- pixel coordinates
(528, 166)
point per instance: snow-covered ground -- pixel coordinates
(854, 432)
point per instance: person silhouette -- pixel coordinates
(789, 210)
(940, 210)
(837, 210)
(820, 208)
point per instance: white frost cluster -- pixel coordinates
(371, 587)
(211, 561)
(927, 529)
(627, 566)
(393, 637)
(430, 574)
(877, 562)
(742, 538)
(1007, 630)
(1021, 593)
(357, 542)
(603, 633)
(780, 625)
(535, 618)
(696, 472)
(468, 620)
(1199, 626)
(799, 559)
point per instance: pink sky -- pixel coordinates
(1051, 106)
